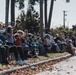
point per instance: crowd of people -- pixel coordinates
(24, 44)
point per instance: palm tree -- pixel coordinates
(45, 13)
(50, 14)
(41, 18)
(7, 13)
(21, 5)
(12, 11)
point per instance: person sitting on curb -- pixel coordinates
(18, 44)
(3, 48)
(12, 46)
(70, 48)
(3, 54)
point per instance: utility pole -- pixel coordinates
(64, 14)
(67, 1)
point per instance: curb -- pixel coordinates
(26, 66)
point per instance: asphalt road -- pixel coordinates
(67, 67)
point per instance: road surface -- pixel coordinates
(67, 67)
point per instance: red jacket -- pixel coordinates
(18, 42)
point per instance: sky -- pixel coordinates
(57, 16)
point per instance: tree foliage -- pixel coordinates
(33, 2)
(20, 3)
(65, 31)
(30, 21)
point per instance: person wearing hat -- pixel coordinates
(18, 43)
(2, 29)
(70, 48)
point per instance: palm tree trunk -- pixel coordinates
(7, 13)
(45, 13)
(41, 18)
(12, 11)
(50, 14)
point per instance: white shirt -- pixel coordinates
(2, 30)
(48, 42)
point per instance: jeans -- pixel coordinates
(3, 53)
(42, 50)
(14, 50)
(17, 50)
(21, 53)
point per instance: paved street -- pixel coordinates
(67, 67)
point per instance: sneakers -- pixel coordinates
(19, 62)
(25, 62)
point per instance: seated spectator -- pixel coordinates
(3, 49)
(72, 37)
(2, 29)
(48, 43)
(67, 38)
(3, 53)
(42, 47)
(61, 41)
(70, 48)
(24, 46)
(53, 45)
(12, 47)
(56, 38)
(18, 44)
